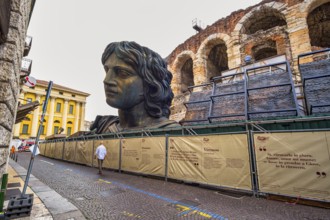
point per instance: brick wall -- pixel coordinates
(291, 37)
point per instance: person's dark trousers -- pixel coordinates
(100, 162)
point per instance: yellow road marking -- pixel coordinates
(104, 181)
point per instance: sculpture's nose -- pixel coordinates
(109, 78)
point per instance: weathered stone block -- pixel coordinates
(5, 137)
(16, 20)
(6, 71)
(7, 96)
(7, 51)
(6, 118)
(16, 5)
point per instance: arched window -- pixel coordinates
(318, 22)
(217, 60)
(262, 20)
(187, 75)
(264, 50)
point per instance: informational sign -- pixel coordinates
(58, 154)
(295, 164)
(52, 150)
(47, 149)
(30, 81)
(144, 155)
(69, 151)
(42, 148)
(221, 160)
(153, 156)
(32, 149)
(84, 152)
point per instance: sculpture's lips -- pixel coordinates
(111, 91)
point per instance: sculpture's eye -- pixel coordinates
(122, 73)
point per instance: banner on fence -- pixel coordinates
(221, 160)
(84, 152)
(58, 153)
(295, 164)
(42, 148)
(51, 150)
(144, 155)
(69, 150)
(111, 160)
(47, 149)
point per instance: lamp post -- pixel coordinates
(44, 108)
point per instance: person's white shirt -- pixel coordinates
(101, 151)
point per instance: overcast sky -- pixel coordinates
(69, 36)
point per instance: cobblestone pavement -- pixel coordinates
(125, 196)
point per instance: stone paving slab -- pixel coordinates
(47, 203)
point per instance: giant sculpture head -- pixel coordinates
(135, 73)
(137, 83)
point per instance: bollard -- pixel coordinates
(16, 157)
(3, 189)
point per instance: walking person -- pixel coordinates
(12, 152)
(100, 154)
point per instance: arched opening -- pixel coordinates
(187, 75)
(217, 60)
(318, 22)
(56, 121)
(265, 50)
(262, 20)
(69, 122)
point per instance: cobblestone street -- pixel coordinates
(125, 196)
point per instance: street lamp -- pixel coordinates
(27, 45)
(26, 67)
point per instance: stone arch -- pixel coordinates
(212, 55)
(263, 15)
(318, 21)
(183, 70)
(262, 32)
(264, 50)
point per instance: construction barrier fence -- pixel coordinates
(294, 163)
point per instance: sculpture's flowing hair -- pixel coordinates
(152, 69)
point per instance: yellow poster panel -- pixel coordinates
(112, 158)
(42, 148)
(152, 156)
(225, 161)
(295, 164)
(58, 153)
(185, 158)
(47, 149)
(144, 155)
(84, 152)
(221, 160)
(52, 150)
(69, 151)
(131, 154)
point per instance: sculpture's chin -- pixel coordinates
(110, 102)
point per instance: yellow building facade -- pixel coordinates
(65, 111)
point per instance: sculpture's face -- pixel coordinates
(123, 87)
